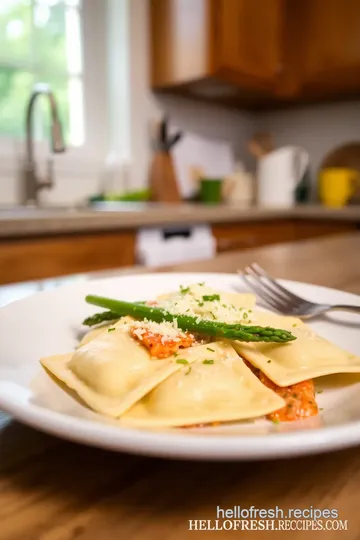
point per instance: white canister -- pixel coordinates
(278, 175)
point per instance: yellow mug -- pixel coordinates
(337, 185)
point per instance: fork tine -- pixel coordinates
(261, 292)
(266, 282)
(279, 289)
(279, 300)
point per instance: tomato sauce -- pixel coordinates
(299, 398)
(162, 346)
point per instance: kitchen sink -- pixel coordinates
(13, 211)
(21, 211)
(118, 206)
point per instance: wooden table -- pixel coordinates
(55, 490)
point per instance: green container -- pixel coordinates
(211, 190)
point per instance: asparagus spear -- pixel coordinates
(98, 318)
(192, 324)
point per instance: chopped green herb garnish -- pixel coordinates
(187, 311)
(111, 329)
(250, 310)
(224, 306)
(245, 316)
(294, 325)
(319, 392)
(276, 421)
(188, 371)
(184, 290)
(295, 396)
(321, 409)
(269, 361)
(209, 349)
(208, 361)
(249, 321)
(211, 297)
(200, 304)
(202, 283)
(182, 361)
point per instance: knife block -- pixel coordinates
(163, 184)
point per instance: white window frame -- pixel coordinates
(106, 91)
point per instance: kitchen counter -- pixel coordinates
(299, 261)
(54, 489)
(30, 222)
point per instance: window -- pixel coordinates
(80, 48)
(41, 41)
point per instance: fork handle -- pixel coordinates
(344, 307)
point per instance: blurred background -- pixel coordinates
(159, 131)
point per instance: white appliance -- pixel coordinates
(278, 175)
(174, 245)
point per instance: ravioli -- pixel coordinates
(264, 318)
(216, 387)
(110, 372)
(306, 357)
(93, 333)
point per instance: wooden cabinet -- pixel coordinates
(248, 40)
(311, 228)
(238, 236)
(23, 259)
(325, 45)
(213, 47)
(37, 258)
(256, 53)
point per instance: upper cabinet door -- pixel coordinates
(330, 52)
(247, 41)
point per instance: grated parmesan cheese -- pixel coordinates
(166, 329)
(192, 303)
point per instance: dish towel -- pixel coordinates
(174, 245)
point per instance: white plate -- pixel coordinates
(47, 323)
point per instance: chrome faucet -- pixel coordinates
(31, 184)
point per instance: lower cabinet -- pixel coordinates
(312, 228)
(23, 259)
(237, 236)
(49, 256)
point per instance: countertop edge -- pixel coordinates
(79, 221)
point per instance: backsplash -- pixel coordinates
(71, 187)
(318, 129)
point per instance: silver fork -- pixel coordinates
(283, 300)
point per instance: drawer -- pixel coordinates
(230, 237)
(312, 228)
(44, 257)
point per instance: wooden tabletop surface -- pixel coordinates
(55, 490)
